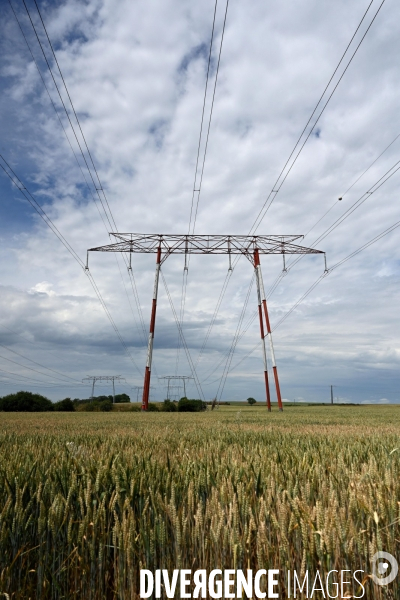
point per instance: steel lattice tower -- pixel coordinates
(250, 246)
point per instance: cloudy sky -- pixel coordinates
(136, 74)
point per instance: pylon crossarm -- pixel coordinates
(205, 244)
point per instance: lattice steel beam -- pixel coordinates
(205, 244)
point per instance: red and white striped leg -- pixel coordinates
(268, 397)
(147, 374)
(264, 303)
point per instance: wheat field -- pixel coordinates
(87, 499)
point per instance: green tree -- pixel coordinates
(186, 405)
(251, 401)
(25, 402)
(122, 398)
(168, 406)
(65, 405)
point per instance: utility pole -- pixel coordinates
(94, 378)
(332, 386)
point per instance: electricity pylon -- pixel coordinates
(94, 378)
(250, 246)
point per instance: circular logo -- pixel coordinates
(381, 567)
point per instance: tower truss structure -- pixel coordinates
(169, 378)
(250, 246)
(94, 378)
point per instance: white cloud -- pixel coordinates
(136, 75)
(380, 401)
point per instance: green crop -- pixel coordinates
(87, 499)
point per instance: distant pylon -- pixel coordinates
(94, 378)
(183, 378)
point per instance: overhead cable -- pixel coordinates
(209, 124)
(377, 185)
(101, 188)
(39, 364)
(228, 363)
(27, 194)
(183, 341)
(202, 115)
(46, 383)
(352, 185)
(97, 188)
(198, 190)
(67, 113)
(278, 184)
(279, 181)
(349, 211)
(321, 277)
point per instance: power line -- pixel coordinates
(225, 374)
(18, 383)
(110, 318)
(274, 191)
(209, 123)
(205, 150)
(38, 364)
(45, 383)
(353, 184)
(366, 245)
(184, 344)
(100, 188)
(349, 211)
(198, 191)
(29, 368)
(303, 297)
(76, 158)
(55, 110)
(181, 315)
(65, 109)
(214, 317)
(225, 15)
(373, 188)
(133, 284)
(36, 206)
(140, 331)
(239, 337)
(73, 109)
(314, 285)
(22, 188)
(378, 184)
(202, 115)
(279, 185)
